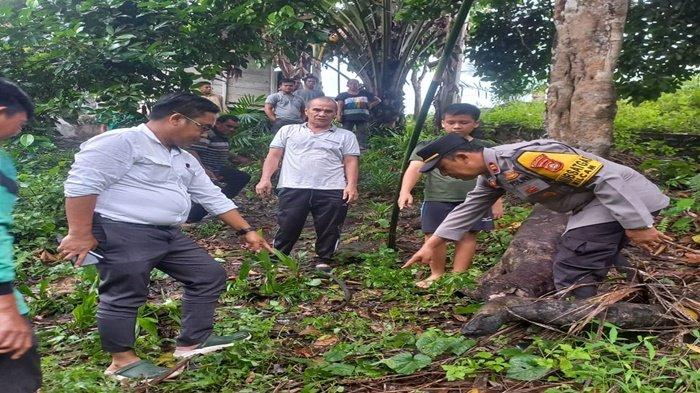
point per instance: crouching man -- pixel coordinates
(127, 193)
(609, 203)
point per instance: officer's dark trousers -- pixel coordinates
(21, 375)
(328, 210)
(130, 252)
(234, 180)
(584, 256)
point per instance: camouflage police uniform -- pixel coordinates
(604, 198)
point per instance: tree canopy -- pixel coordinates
(511, 46)
(119, 52)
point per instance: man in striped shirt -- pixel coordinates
(218, 162)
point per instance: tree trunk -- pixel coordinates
(416, 81)
(511, 289)
(561, 313)
(525, 270)
(581, 96)
(449, 90)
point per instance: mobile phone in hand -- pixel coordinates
(92, 258)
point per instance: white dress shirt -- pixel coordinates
(139, 180)
(314, 160)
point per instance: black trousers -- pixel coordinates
(234, 180)
(21, 375)
(328, 210)
(361, 130)
(130, 252)
(584, 255)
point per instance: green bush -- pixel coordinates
(672, 112)
(518, 113)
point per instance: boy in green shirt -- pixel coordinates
(443, 193)
(19, 360)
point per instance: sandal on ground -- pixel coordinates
(141, 370)
(324, 267)
(212, 344)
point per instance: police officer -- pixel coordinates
(609, 203)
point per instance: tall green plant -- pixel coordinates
(427, 102)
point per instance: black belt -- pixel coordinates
(100, 218)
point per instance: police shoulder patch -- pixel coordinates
(567, 168)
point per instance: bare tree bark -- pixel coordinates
(416, 80)
(525, 270)
(581, 96)
(449, 90)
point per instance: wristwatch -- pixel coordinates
(243, 231)
(640, 228)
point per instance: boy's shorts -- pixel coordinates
(433, 213)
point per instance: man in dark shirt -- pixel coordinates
(353, 110)
(213, 152)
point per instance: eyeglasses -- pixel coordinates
(203, 127)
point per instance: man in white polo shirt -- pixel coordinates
(127, 193)
(319, 176)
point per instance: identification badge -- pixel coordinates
(568, 168)
(530, 188)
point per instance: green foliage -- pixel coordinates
(523, 114)
(511, 45)
(671, 112)
(407, 363)
(676, 218)
(42, 168)
(117, 53)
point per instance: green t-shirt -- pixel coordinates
(439, 188)
(7, 201)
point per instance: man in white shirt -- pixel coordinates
(318, 176)
(127, 193)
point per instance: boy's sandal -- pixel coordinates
(142, 370)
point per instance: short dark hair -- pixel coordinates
(286, 80)
(15, 99)
(306, 78)
(184, 103)
(462, 109)
(470, 149)
(225, 118)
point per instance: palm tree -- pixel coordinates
(382, 41)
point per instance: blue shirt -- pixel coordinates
(8, 196)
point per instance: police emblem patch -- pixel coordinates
(511, 175)
(493, 168)
(544, 162)
(568, 168)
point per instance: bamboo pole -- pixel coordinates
(427, 102)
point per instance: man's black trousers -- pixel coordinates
(584, 255)
(328, 210)
(130, 252)
(235, 181)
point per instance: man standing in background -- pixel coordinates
(283, 107)
(309, 91)
(206, 91)
(19, 360)
(353, 110)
